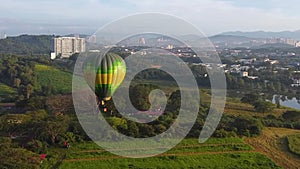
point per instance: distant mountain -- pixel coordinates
(75, 35)
(262, 34)
(275, 45)
(27, 44)
(234, 41)
(229, 38)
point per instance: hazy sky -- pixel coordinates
(86, 16)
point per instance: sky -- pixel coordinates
(86, 16)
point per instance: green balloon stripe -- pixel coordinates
(109, 69)
(105, 90)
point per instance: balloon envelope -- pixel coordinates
(110, 74)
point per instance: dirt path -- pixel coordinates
(270, 143)
(161, 155)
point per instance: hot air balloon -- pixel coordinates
(110, 74)
(104, 78)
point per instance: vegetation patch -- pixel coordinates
(6, 90)
(294, 143)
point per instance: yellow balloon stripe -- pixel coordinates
(110, 79)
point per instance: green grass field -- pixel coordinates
(215, 153)
(238, 160)
(60, 81)
(294, 143)
(91, 150)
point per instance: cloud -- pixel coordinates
(218, 16)
(211, 16)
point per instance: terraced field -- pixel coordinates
(215, 153)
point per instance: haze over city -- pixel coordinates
(86, 16)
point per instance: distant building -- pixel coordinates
(297, 44)
(3, 36)
(290, 42)
(53, 55)
(170, 47)
(64, 47)
(272, 62)
(252, 77)
(296, 82)
(142, 41)
(273, 40)
(244, 74)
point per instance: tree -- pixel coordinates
(37, 103)
(29, 89)
(159, 128)
(139, 95)
(60, 104)
(277, 101)
(146, 130)
(47, 89)
(247, 126)
(15, 158)
(291, 115)
(132, 129)
(264, 106)
(117, 123)
(250, 98)
(17, 82)
(35, 146)
(37, 115)
(69, 137)
(74, 57)
(51, 128)
(11, 71)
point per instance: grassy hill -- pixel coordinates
(59, 81)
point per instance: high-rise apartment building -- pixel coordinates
(290, 42)
(64, 47)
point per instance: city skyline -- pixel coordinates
(85, 17)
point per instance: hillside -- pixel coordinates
(53, 79)
(27, 44)
(229, 38)
(275, 45)
(264, 34)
